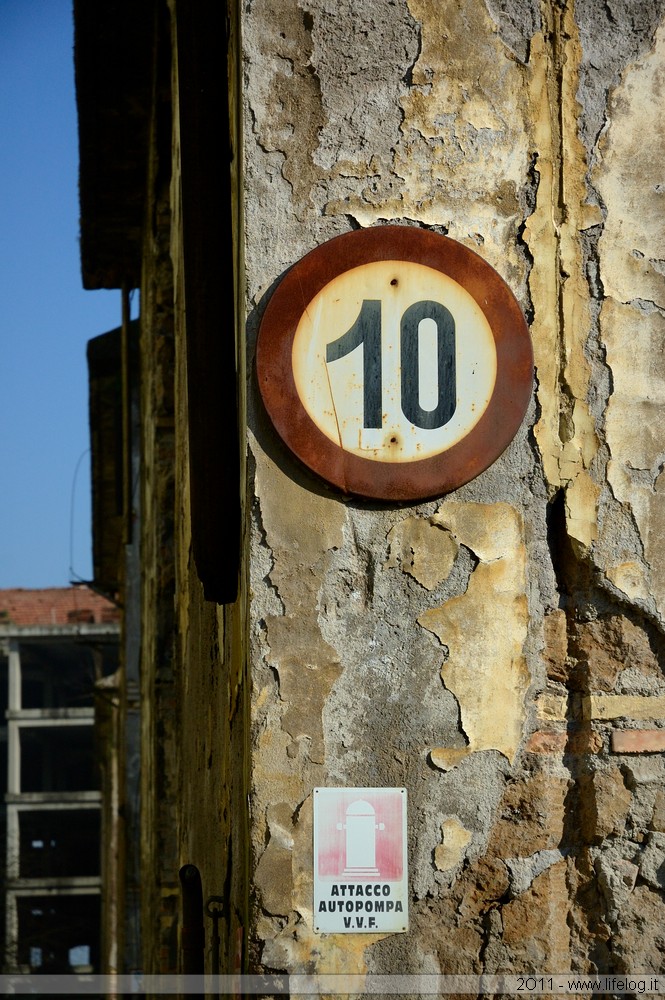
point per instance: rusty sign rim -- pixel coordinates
(395, 481)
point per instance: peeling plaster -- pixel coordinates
(524, 870)
(565, 432)
(423, 549)
(284, 878)
(629, 178)
(581, 500)
(535, 928)
(461, 159)
(455, 838)
(301, 528)
(629, 578)
(485, 630)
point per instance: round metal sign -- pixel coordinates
(395, 363)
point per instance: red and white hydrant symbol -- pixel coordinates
(360, 832)
(361, 827)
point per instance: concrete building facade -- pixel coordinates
(56, 645)
(497, 651)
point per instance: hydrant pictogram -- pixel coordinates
(361, 830)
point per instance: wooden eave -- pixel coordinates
(112, 56)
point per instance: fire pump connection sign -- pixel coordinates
(360, 861)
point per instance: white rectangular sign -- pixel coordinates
(360, 861)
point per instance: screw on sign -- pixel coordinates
(360, 862)
(395, 363)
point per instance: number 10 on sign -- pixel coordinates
(394, 361)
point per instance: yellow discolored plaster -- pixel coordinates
(565, 432)
(273, 872)
(629, 577)
(490, 531)
(634, 342)
(451, 852)
(635, 429)
(423, 549)
(307, 667)
(540, 234)
(301, 526)
(274, 774)
(581, 510)
(485, 630)
(629, 178)
(446, 758)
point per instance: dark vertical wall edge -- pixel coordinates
(202, 31)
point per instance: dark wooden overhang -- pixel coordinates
(205, 35)
(113, 64)
(114, 49)
(109, 459)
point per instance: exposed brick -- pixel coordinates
(531, 815)
(585, 741)
(658, 818)
(581, 741)
(603, 805)
(624, 706)
(606, 646)
(556, 646)
(552, 706)
(638, 740)
(541, 742)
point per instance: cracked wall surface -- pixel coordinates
(499, 651)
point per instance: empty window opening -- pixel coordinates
(59, 843)
(58, 759)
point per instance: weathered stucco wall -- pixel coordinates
(498, 651)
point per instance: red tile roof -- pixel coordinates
(55, 606)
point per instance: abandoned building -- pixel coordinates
(56, 646)
(488, 643)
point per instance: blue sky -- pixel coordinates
(46, 318)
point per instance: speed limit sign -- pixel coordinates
(395, 363)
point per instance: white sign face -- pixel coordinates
(360, 861)
(394, 361)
